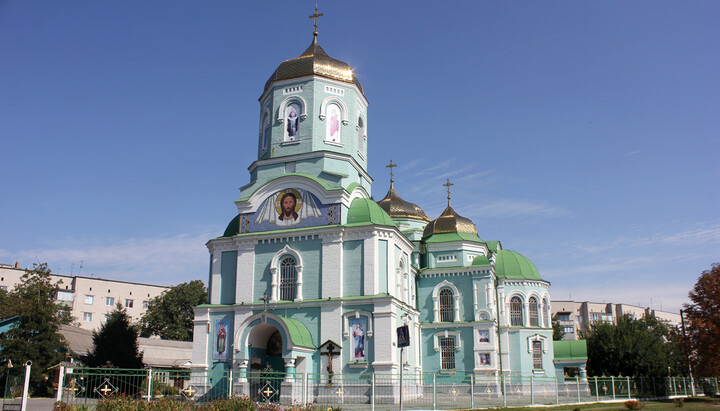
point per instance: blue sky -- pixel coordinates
(583, 135)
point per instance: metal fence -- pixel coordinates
(87, 386)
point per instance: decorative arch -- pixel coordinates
(290, 99)
(546, 311)
(357, 314)
(517, 310)
(274, 263)
(361, 135)
(533, 310)
(265, 127)
(436, 299)
(295, 335)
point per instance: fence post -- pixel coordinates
(434, 391)
(372, 392)
(628, 383)
(61, 383)
(597, 391)
(230, 383)
(504, 390)
(532, 391)
(149, 384)
(472, 390)
(26, 386)
(612, 380)
(577, 381)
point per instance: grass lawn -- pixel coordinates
(665, 405)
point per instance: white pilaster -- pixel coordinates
(245, 277)
(332, 267)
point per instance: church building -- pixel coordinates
(314, 276)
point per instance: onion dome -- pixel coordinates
(314, 61)
(512, 265)
(365, 211)
(396, 207)
(450, 222)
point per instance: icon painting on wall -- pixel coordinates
(358, 327)
(288, 207)
(220, 348)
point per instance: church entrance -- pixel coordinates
(267, 367)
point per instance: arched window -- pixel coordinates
(516, 311)
(292, 121)
(287, 279)
(533, 311)
(265, 132)
(446, 305)
(334, 120)
(361, 135)
(545, 309)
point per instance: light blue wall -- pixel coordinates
(228, 275)
(382, 255)
(309, 249)
(464, 361)
(353, 270)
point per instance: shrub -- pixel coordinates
(679, 402)
(633, 405)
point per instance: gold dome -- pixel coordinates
(314, 61)
(397, 207)
(449, 222)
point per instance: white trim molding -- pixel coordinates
(357, 314)
(436, 300)
(445, 334)
(274, 296)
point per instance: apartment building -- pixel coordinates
(578, 316)
(91, 298)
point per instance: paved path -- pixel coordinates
(33, 404)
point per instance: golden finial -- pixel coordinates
(315, 17)
(448, 184)
(391, 166)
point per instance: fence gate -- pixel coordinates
(13, 383)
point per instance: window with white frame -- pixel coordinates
(533, 311)
(129, 303)
(537, 355)
(516, 312)
(287, 279)
(447, 353)
(110, 301)
(447, 305)
(89, 299)
(146, 304)
(87, 317)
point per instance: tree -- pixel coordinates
(558, 332)
(37, 336)
(115, 344)
(633, 347)
(170, 315)
(704, 323)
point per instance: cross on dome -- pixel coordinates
(391, 166)
(448, 184)
(315, 17)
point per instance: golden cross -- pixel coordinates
(391, 166)
(105, 390)
(189, 391)
(448, 184)
(339, 392)
(315, 17)
(268, 392)
(72, 388)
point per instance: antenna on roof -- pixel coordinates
(81, 266)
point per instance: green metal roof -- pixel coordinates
(233, 227)
(570, 350)
(492, 245)
(365, 210)
(480, 260)
(299, 334)
(323, 183)
(456, 236)
(512, 265)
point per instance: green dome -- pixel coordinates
(511, 265)
(480, 260)
(233, 228)
(366, 211)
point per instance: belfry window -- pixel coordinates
(533, 311)
(334, 120)
(287, 279)
(545, 308)
(265, 132)
(516, 312)
(361, 135)
(446, 305)
(292, 122)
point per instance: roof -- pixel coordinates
(480, 260)
(299, 334)
(512, 265)
(451, 222)
(397, 207)
(570, 350)
(314, 61)
(367, 211)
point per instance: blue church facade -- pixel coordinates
(314, 276)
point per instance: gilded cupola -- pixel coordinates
(450, 222)
(396, 207)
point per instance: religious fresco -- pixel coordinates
(358, 329)
(333, 125)
(292, 121)
(221, 341)
(290, 208)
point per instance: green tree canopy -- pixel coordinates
(704, 323)
(170, 315)
(633, 347)
(116, 344)
(37, 337)
(558, 332)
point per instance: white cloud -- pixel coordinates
(159, 260)
(632, 153)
